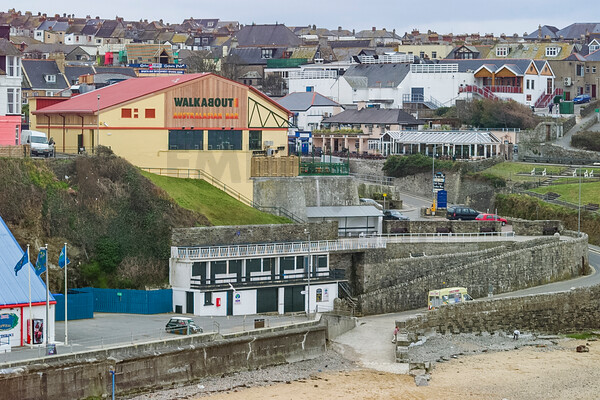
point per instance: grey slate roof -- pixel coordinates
(107, 29)
(116, 70)
(55, 26)
(595, 56)
(576, 30)
(377, 75)
(334, 44)
(385, 116)
(302, 101)
(73, 72)
(8, 49)
(267, 36)
(542, 32)
(35, 70)
(253, 55)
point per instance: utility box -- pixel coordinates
(567, 107)
(259, 323)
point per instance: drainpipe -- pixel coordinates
(63, 133)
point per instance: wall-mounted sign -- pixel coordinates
(206, 102)
(160, 71)
(8, 321)
(439, 181)
(158, 66)
(237, 298)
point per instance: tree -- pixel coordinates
(201, 61)
(274, 85)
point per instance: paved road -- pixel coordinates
(370, 344)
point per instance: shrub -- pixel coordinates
(400, 166)
(586, 140)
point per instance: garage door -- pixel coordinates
(293, 299)
(266, 300)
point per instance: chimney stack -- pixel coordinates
(373, 29)
(5, 32)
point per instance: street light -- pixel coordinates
(433, 178)
(579, 207)
(307, 232)
(98, 118)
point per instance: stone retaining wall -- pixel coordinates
(437, 226)
(244, 234)
(535, 228)
(21, 151)
(398, 285)
(572, 311)
(182, 361)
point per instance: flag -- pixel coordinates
(21, 262)
(40, 264)
(61, 257)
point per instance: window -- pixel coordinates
(579, 70)
(135, 113)
(593, 70)
(12, 103)
(186, 139)
(49, 93)
(532, 84)
(50, 78)
(150, 113)
(501, 51)
(552, 51)
(224, 140)
(527, 83)
(594, 47)
(208, 299)
(198, 268)
(587, 88)
(434, 54)
(12, 64)
(587, 69)
(210, 24)
(310, 88)
(125, 112)
(204, 40)
(266, 53)
(255, 141)
(422, 54)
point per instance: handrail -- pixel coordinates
(378, 179)
(205, 176)
(325, 246)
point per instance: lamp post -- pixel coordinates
(433, 178)
(98, 120)
(307, 232)
(579, 207)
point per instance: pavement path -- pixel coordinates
(369, 344)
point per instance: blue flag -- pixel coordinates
(21, 262)
(61, 257)
(40, 264)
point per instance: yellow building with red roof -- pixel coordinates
(172, 123)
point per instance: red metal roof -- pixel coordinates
(118, 93)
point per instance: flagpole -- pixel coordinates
(66, 318)
(30, 317)
(47, 299)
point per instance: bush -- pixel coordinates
(400, 166)
(586, 140)
(488, 113)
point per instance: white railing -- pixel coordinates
(433, 68)
(387, 59)
(324, 74)
(325, 246)
(271, 249)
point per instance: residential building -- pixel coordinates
(359, 131)
(42, 78)
(10, 89)
(429, 51)
(51, 31)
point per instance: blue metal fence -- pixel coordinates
(80, 304)
(133, 301)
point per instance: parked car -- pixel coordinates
(39, 144)
(582, 98)
(370, 202)
(461, 213)
(394, 215)
(491, 217)
(182, 326)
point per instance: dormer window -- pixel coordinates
(50, 78)
(594, 45)
(210, 24)
(501, 51)
(552, 51)
(266, 53)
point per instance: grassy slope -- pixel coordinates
(509, 170)
(220, 208)
(590, 192)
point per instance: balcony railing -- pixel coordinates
(504, 89)
(288, 276)
(319, 168)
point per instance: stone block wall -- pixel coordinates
(403, 284)
(535, 228)
(244, 234)
(180, 362)
(21, 151)
(295, 194)
(435, 226)
(572, 311)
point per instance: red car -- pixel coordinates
(491, 217)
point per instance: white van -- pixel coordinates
(39, 143)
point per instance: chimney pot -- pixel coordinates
(373, 29)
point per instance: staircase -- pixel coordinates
(345, 293)
(545, 98)
(482, 91)
(567, 173)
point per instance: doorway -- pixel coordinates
(189, 302)
(593, 91)
(293, 299)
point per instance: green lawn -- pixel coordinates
(590, 192)
(510, 171)
(220, 208)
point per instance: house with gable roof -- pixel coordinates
(51, 31)
(10, 89)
